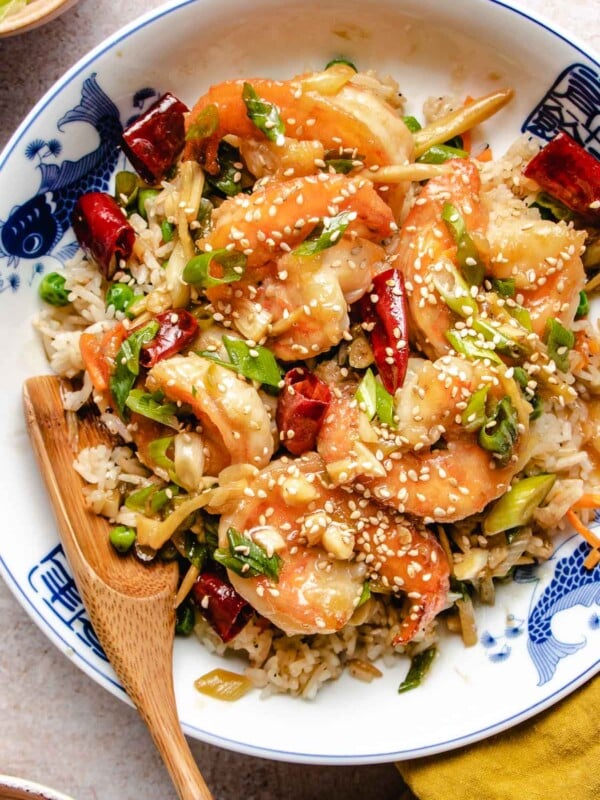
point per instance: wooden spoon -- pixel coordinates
(130, 604)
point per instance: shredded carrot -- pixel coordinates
(485, 155)
(587, 501)
(583, 530)
(98, 354)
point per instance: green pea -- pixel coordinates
(143, 196)
(122, 538)
(52, 290)
(185, 619)
(119, 295)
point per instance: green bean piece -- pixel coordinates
(559, 341)
(126, 188)
(516, 507)
(467, 254)
(185, 619)
(122, 538)
(419, 667)
(52, 290)
(120, 296)
(474, 416)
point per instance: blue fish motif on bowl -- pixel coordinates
(572, 584)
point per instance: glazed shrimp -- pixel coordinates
(234, 423)
(544, 260)
(431, 465)
(330, 542)
(425, 250)
(299, 302)
(349, 117)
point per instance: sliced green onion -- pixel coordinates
(469, 347)
(157, 450)
(163, 496)
(340, 60)
(366, 394)
(412, 123)
(552, 209)
(342, 165)
(126, 188)
(559, 341)
(505, 287)
(474, 416)
(246, 558)
(233, 176)
(122, 538)
(197, 270)
(521, 314)
(502, 342)
(205, 125)
(500, 431)
(467, 254)
(128, 363)
(264, 115)
(583, 309)
(517, 506)
(439, 153)
(365, 594)
(419, 667)
(256, 363)
(52, 290)
(196, 552)
(454, 291)
(332, 231)
(138, 501)
(150, 406)
(185, 619)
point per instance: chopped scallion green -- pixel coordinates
(419, 667)
(246, 558)
(559, 341)
(516, 507)
(331, 232)
(150, 406)
(469, 260)
(197, 270)
(264, 115)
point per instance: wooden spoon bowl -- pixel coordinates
(130, 604)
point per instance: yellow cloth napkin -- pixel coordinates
(554, 756)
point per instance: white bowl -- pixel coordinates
(432, 47)
(34, 14)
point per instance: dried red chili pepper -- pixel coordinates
(569, 173)
(177, 330)
(154, 140)
(301, 408)
(225, 610)
(102, 231)
(384, 315)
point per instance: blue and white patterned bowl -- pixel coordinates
(542, 638)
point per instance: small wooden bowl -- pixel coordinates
(18, 789)
(35, 13)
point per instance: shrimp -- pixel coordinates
(431, 465)
(330, 542)
(235, 425)
(298, 303)
(543, 259)
(425, 250)
(351, 117)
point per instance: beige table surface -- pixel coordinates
(57, 727)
